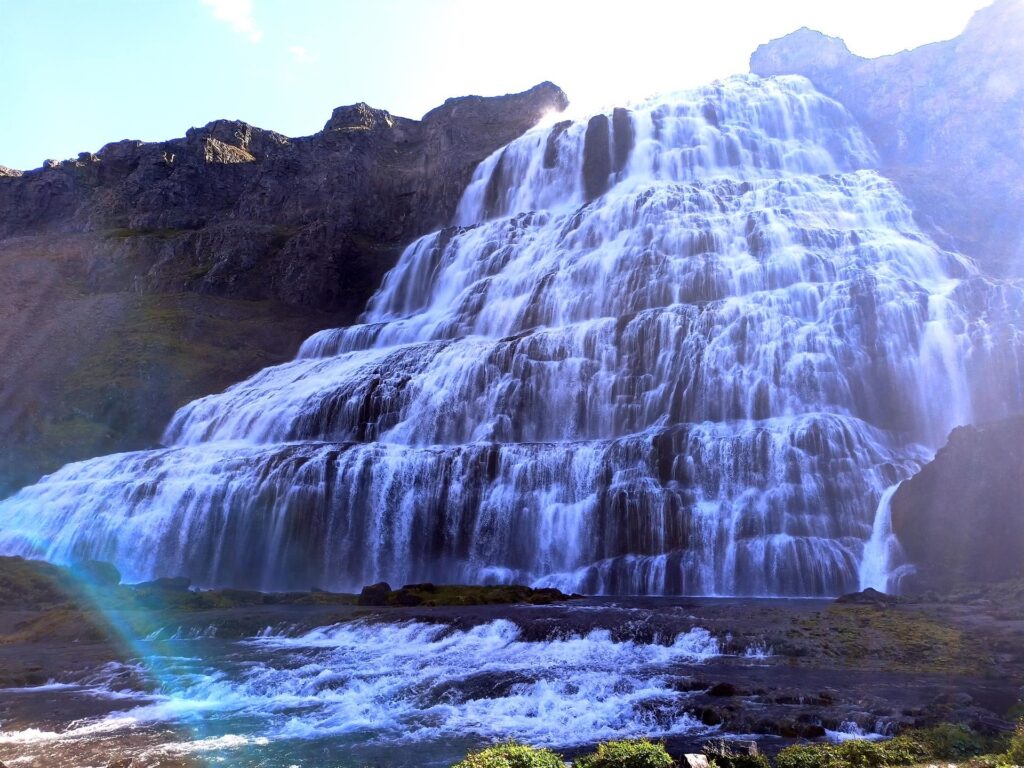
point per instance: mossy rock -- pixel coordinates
(512, 755)
(432, 595)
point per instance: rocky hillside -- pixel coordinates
(137, 278)
(947, 118)
(961, 518)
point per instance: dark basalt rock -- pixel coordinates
(375, 594)
(597, 160)
(869, 596)
(495, 189)
(960, 518)
(921, 109)
(711, 114)
(730, 748)
(624, 138)
(723, 690)
(139, 277)
(551, 146)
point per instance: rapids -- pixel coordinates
(407, 693)
(682, 348)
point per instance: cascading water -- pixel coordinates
(681, 348)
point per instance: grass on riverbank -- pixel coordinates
(947, 744)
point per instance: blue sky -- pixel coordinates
(75, 74)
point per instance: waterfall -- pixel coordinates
(678, 348)
(882, 553)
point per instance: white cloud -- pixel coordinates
(300, 54)
(238, 15)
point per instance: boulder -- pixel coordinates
(730, 748)
(960, 519)
(375, 594)
(869, 596)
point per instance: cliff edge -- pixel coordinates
(947, 119)
(144, 275)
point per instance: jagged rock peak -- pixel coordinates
(803, 49)
(359, 116)
(921, 109)
(538, 100)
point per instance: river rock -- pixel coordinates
(375, 594)
(869, 596)
(728, 748)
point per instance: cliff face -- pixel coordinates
(948, 121)
(140, 277)
(961, 518)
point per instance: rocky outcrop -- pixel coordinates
(961, 518)
(948, 121)
(142, 276)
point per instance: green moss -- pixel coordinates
(897, 638)
(627, 754)
(511, 755)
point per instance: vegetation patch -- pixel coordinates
(512, 755)
(950, 743)
(627, 754)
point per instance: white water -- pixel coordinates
(702, 381)
(432, 686)
(883, 552)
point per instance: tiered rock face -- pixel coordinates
(686, 348)
(137, 278)
(961, 518)
(947, 119)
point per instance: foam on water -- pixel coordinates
(414, 683)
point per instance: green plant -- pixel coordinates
(1015, 752)
(741, 761)
(627, 754)
(511, 755)
(852, 754)
(949, 742)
